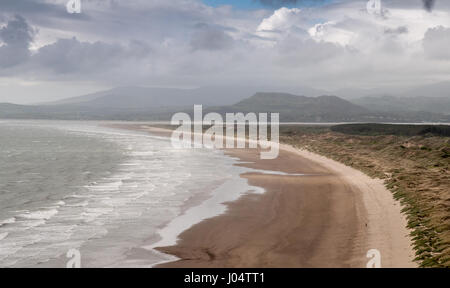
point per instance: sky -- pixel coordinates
(47, 53)
(254, 4)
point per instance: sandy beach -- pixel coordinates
(328, 217)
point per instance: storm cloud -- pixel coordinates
(428, 4)
(210, 38)
(16, 37)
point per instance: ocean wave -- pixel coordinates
(147, 190)
(39, 214)
(3, 235)
(7, 221)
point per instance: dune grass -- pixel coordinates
(415, 168)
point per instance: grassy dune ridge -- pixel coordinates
(398, 130)
(412, 160)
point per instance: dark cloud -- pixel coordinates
(428, 4)
(69, 56)
(23, 6)
(397, 31)
(211, 38)
(16, 37)
(63, 57)
(36, 7)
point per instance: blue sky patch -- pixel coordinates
(255, 4)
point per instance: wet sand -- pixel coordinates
(329, 217)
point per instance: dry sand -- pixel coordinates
(386, 224)
(329, 217)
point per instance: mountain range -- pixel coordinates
(153, 104)
(438, 104)
(294, 108)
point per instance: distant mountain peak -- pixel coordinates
(293, 108)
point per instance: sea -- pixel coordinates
(109, 194)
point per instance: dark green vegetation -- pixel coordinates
(389, 129)
(413, 161)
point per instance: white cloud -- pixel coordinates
(186, 43)
(328, 32)
(282, 19)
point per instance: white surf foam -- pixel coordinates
(39, 214)
(7, 221)
(3, 235)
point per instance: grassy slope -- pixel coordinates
(415, 168)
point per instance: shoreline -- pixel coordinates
(329, 217)
(387, 229)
